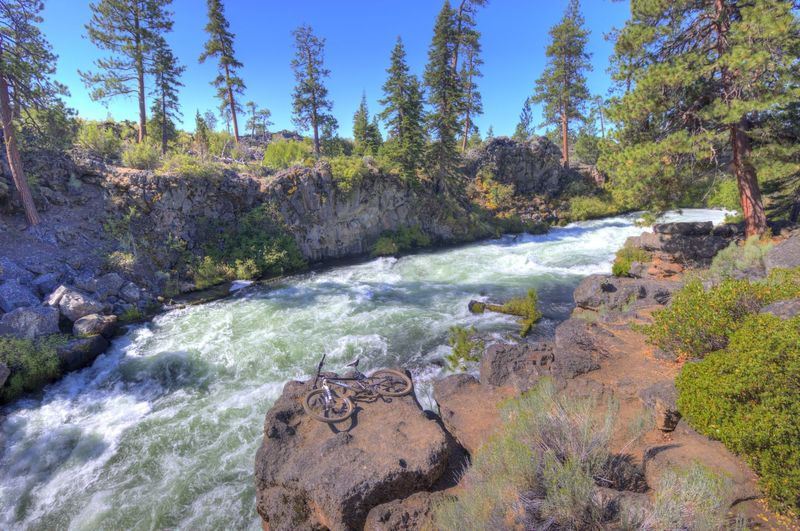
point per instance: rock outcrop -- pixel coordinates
(414, 513)
(785, 254)
(30, 322)
(516, 364)
(783, 309)
(578, 348)
(686, 244)
(311, 475)
(607, 292)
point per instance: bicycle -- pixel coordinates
(330, 403)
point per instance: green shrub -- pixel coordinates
(738, 260)
(748, 397)
(120, 261)
(131, 315)
(526, 307)
(210, 272)
(286, 153)
(348, 172)
(400, 241)
(514, 224)
(592, 207)
(464, 347)
(33, 363)
(99, 140)
(694, 497)
(626, 256)
(184, 165)
(699, 321)
(725, 195)
(142, 156)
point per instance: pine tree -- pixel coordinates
(201, 131)
(710, 74)
(310, 97)
(467, 46)
(403, 114)
(366, 132)
(220, 46)
(130, 30)
(26, 64)
(259, 121)
(166, 108)
(490, 133)
(524, 128)
(562, 86)
(445, 96)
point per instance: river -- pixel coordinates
(161, 432)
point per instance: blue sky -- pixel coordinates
(360, 35)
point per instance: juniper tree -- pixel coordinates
(26, 66)
(467, 46)
(562, 86)
(130, 31)
(311, 105)
(709, 73)
(220, 46)
(403, 114)
(524, 128)
(166, 78)
(445, 96)
(366, 132)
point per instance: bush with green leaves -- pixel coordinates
(592, 207)
(526, 307)
(33, 363)
(626, 256)
(740, 260)
(400, 241)
(700, 320)
(464, 347)
(141, 155)
(99, 140)
(539, 468)
(348, 172)
(184, 165)
(748, 397)
(286, 153)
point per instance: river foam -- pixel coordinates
(162, 430)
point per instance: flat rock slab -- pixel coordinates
(783, 309)
(311, 475)
(784, 255)
(597, 292)
(469, 409)
(517, 364)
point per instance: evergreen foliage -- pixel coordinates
(311, 105)
(467, 51)
(166, 107)
(366, 133)
(525, 127)
(258, 121)
(220, 46)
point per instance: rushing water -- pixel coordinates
(161, 432)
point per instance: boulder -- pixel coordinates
(5, 372)
(311, 475)
(783, 309)
(597, 292)
(45, 283)
(108, 285)
(30, 322)
(516, 364)
(685, 446)
(94, 324)
(55, 296)
(469, 409)
(687, 246)
(14, 295)
(130, 292)
(684, 228)
(786, 254)
(75, 304)
(10, 270)
(80, 353)
(85, 282)
(409, 514)
(662, 398)
(578, 348)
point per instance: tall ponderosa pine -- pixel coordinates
(524, 128)
(562, 86)
(466, 51)
(403, 114)
(130, 30)
(166, 107)
(711, 74)
(311, 105)
(26, 65)
(220, 46)
(366, 133)
(445, 96)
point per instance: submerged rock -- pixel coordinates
(311, 475)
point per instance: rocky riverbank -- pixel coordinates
(596, 353)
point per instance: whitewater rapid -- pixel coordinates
(161, 432)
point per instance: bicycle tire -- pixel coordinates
(402, 384)
(315, 412)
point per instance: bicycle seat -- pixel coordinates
(353, 364)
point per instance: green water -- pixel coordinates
(161, 432)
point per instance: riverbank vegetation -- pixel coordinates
(33, 363)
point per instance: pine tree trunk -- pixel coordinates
(564, 134)
(755, 219)
(12, 152)
(466, 132)
(140, 79)
(232, 103)
(163, 124)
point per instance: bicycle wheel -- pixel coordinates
(389, 382)
(317, 406)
